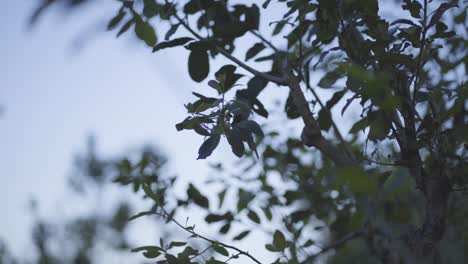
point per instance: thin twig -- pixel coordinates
(241, 252)
(264, 40)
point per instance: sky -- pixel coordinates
(57, 88)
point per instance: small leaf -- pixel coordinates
(221, 250)
(245, 198)
(199, 65)
(357, 179)
(115, 20)
(140, 214)
(252, 126)
(267, 213)
(360, 125)
(252, 215)
(145, 32)
(324, 119)
(197, 197)
(279, 241)
(266, 3)
(242, 235)
(177, 244)
(330, 78)
(225, 228)
(171, 31)
(254, 50)
(235, 140)
(149, 251)
(208, 146)
(272, 248)
(125, 27)
(221, 196)
(439, 12)
(171, 43)
(211, 218)
(216, 85)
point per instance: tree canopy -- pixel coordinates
(392, 189)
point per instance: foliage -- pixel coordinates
(391, 190)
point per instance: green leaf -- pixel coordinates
(145, 32)
(279, 241)
(208, 146)
(216, 85)
(357, 179)
(198, 65)
(150, 193)
(221, 196)
(324, 119)
(225, 228)
(116, 20)
(266, 3)
(252, 215)
(439, 12)
(140, 214)
(379, 126)
(220, 249)
(197, 197)
(245, 198)
(272, 248)
(151, 8)
(211, 218)
(254, 50)
(125, 27)
(267, 213)
(171, 43)
(149, 251)
(227, 77)
(330, 78)
(177, 244)
(171, 31)
(235, 141)
(360, 125)
(251, 126)
(242, 235)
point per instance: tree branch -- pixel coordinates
(264, 40)
(312, 135)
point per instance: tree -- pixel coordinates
(391, 190)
